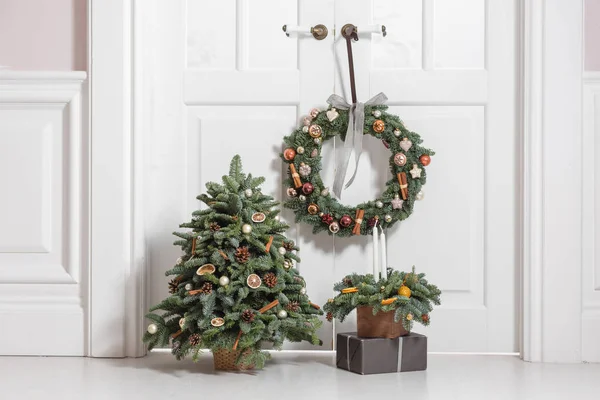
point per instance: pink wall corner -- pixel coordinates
(592, 35)
(49, 35)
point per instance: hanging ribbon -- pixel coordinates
(354, 136)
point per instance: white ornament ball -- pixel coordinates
(282, 314)
(277, 218)
(152, 329)
(379, 204)
(303, 290)
(287, 264)
(246, 228)
(181, 322)
(397, 132)
(189, 286)
(420, 195)
(248, 192)
(377, 113)
(325, 192)
(281, 250)
(302, 197)
(317, 140)
(305, 129)
(179, 261)
(300, 150)
(223, 281)
(387, 218)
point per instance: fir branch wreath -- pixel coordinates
(314, 204)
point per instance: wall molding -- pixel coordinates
(591, 265)
(116, 320)
(51, 289)
(551, 84)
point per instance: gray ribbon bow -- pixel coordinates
(354, 137)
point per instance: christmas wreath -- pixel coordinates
(407, 294)
(314, 204)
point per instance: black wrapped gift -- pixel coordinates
(381, 355)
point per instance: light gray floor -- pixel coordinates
(291, 376)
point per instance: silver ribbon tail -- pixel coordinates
(354, 137)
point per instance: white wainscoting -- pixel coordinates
(43, 214)
(591, 223)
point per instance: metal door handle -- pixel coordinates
(319, 31)
(366, 29)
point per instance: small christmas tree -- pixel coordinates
(236, 285)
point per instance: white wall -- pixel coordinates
(43, 35)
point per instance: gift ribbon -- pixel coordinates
(354, 136)
(399, 367)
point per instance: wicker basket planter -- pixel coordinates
(224, 360)
(381, 325)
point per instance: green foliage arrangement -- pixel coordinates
(408, 294)
(236, 285)
(313, 203)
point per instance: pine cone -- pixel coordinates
(242, 254)
(288, 246)
(347, 281)
(214, 227)
(248, 316)
(174, 285)
(293, 306)
(329, 316)
(195, 339)
(270, 279)
(206, 288)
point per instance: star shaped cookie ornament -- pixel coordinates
(415, 171)
(397, 202)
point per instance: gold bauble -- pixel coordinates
(404, 291)
(378, 126)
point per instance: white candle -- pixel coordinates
(383, 256)
(375, 253)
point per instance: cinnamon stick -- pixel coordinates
(403, 185)
(358, 220)
(315, 306)
(268, 246)
(193, 246)
(237, 340)
(268, 306)
(179, 332)
(295, 177)
(194, 292)
(222, 253)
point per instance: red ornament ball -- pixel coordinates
(307, 188)
(327, 219)
(345, 221)
(425, 160)
(289, 154)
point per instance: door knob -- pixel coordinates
(319, 31)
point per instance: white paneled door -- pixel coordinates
(221, 78)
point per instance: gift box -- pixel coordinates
(380, 355)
